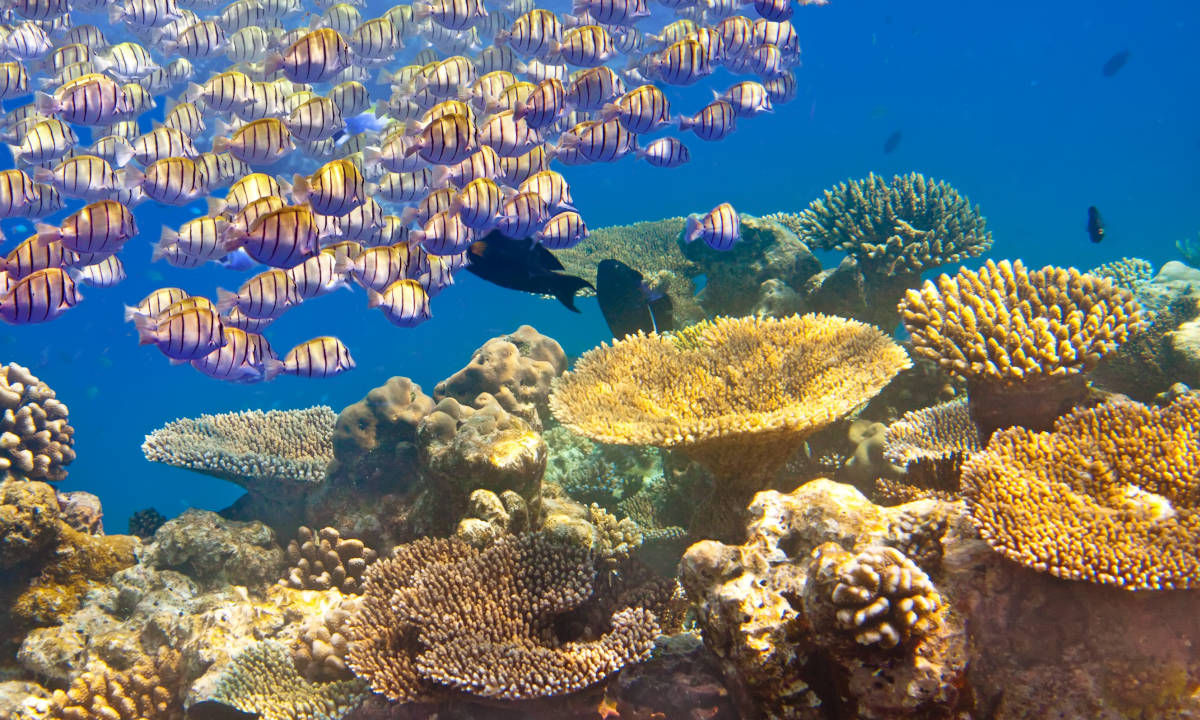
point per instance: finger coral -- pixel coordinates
(263, 452)
(442, 615)
(325, 559)
(1110, 496)
(35, 439)
(263, 679)
(147, 691)
(1020, 338)
(737, 395)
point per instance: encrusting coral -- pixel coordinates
(263, 679)
(516, 369)
(374, 440)
(737, 395)
(1110, 496)
(325, 559)
(440, 615)
(270, 454)
(35, 439)
(150, 690)
(1021, 338)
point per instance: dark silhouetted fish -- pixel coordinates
(892, 142)
(521, 264)
(213, 710)
(1095, 225)
(1114, 64)
(628, 305)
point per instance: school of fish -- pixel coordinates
(334, 149)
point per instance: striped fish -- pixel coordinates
(107, 273)
(315, 58)
(238, 319)
(445, 234)
(585, 46)
(250, 188)
(351, 97)
(30, 256)
(186, 118)
(448, 140)
(200, 238)
(163, 142)
(116, 150)
(318, 276)
(46, 140)
(551, 187)
(27, 41)
(667, 152)
(714, 121)
(508, 136)
(641, 110)
(376, 268)
(375, 39)
(434, 202)
(593, 88)
(404, 303)
(14, 80)
(514, 171)
(780, 34)
(683, 63)
(320, 357)
(523, 215)
(543, 106)
(17, 193)
(315, 119)
(483, 163)
(239, 360)
(126, 61)
(720, 229)
(199, 41)
(564, 230)
(781, 88)
(536, 33)
(450, 14)
(479, 203)
(282, 238)
(748, 98)
(39, 296)
(172, 180)
(335, 188)
(224, 92)
(155, 303)
(613, 12)
(266, 295)
(182, 334)
(600, 142)
(144, 13)
(259, 142)
(440, 275)
(405, 187)
(99, 228)
(86, 177)
(365, 223)
(175, 256)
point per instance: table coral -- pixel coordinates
(35, 439)
(148, 691)
(931, 445)
(440, 614)
(1022, 339)
(516, 369)
(737, 395)
(324, 559)
(262, 679)
(1109, 496)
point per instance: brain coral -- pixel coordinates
(35, 439)
(1110, 496)
(902, 226)
(738, 395)
(1012, 332)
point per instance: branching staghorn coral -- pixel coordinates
(737, 395)
(267, 453)
(1110, 496)
(898, 227)
(441, 615)
(35, 439)
(1022, 339)
(263, 679)
(147, 691)
(1128, 272)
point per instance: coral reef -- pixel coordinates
(1110, 496)
(515, 369)
(931, 445)
(35, 439)
(144, 523)
(325, 559)
(322, 646)
(739, 396)
(148, 690)
(215, 551)
(594, 472)
(262, 679)
(82, 510)
(490, 517)
(273, 454)
(440, 615)
(1021, 338)
(1128, 272)
(374, 440)
(29, 521)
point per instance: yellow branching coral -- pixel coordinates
(1010, 331)
(738, 395)
(1111, 496)
(930, 444)
(900, 226)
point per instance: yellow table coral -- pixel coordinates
(738, 395)
(1110, 496)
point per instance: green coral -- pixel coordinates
(263, 679)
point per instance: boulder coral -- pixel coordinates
(324, 559)
(35, 439)
(737, 395)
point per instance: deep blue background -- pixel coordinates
(1004, 100)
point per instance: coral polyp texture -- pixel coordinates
(441, 616)
(1010, 331)
(737, 395)
(147, 691)
(324, 559)
(263, 679)
(893, 227)
(1127, 272)
(35, 439)
(1110, 496)
(930, 444)
(264, 452)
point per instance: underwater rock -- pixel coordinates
(82, 511)
(35, 439)
(214, 551)
(29, 521)
(490, 517)
(516, 369)
(23, 699)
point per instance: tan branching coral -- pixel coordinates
(516, 369)
(930, 444)
(1128, 272)
(263, 679)
(147, 691)
(879, 596)
(325, 559)
(737, 395)
(1110, 496)
(267, 453)
(442, 615)
(35, 439)
(1020, 338)
(898, 227)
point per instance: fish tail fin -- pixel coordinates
(131, 177)
(131, 313)
(300, 189)
(43, 176)
(47, 234)
(46, 104)
(216, 206)
(147, 329)
(374, 299)
(123, 154)
(566, 289)
(272, 368)
(225, 300)
(692, 230)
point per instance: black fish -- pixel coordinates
(522, 265)
(892, 142)
(1095, 225)
(628, 305)
(1115, 63)
(213, 710)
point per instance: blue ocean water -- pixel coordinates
(1006, 101)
